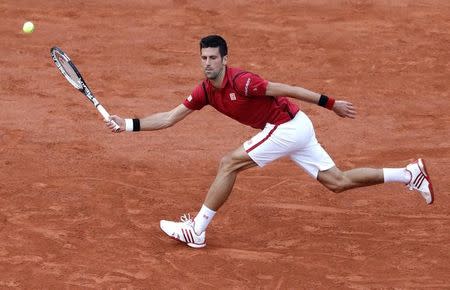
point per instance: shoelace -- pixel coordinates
(186, 219)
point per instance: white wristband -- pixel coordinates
(129, 125)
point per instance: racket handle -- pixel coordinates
(106, 116)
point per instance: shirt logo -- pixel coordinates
(233, 96)
(246, 86)
(189, 98)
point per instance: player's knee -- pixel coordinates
(338, 184)
(337, 188)
(229, 164)
(226, 163)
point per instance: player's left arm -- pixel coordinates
(343, 109)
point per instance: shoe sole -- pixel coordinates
(195, 246)
(427, 176)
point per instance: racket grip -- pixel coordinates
(106, 116)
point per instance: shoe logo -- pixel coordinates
(189, 98)
(419, 180)
(233, 96)
(205, 216)
(188, 237)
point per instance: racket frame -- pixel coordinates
(81, 86)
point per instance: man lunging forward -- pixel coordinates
(285, 131)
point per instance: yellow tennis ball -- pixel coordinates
(28, 27)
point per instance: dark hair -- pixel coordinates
(215, 41)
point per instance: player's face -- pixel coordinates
(212, 63)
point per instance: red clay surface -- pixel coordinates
(80, 206)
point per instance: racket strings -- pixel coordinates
(68, 71)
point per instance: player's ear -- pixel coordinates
(225, 60)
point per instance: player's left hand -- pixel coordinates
(344, 109)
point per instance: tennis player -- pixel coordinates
(284, 131)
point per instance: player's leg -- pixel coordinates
(192, 232)
(230, 165)
(316, 161)
(337, 181)
(414, 175)
(265, 147)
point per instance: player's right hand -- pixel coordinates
(119, 121)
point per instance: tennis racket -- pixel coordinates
(71, 73)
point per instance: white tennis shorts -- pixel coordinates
(295, 139)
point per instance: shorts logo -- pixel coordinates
(233, 96)
(189, 98)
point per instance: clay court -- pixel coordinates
(80, 206)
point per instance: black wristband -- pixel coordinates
(136, 125)
(323, 101)
(326, 102)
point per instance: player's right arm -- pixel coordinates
(153, 122)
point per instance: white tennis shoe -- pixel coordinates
(420, 180)
(183, 231)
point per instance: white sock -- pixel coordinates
(396, 175)
(203, 218)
